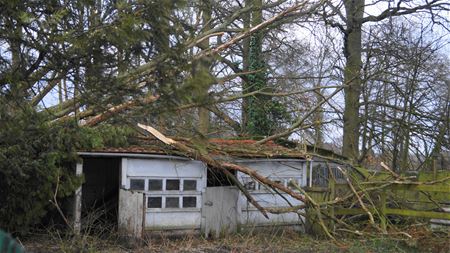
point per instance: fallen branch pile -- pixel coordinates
(360, 206)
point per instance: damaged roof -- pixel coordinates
(234, 148)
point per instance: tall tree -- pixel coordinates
(202, 68)
(351, 25)
(260, 111)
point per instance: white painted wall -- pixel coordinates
(221, 211)
(130, 213)
(191, 218)
(158, 168)
(167, 220)
(165, 168)
(282, 169)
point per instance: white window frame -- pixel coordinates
(138, 178)
(173, 193)
(261, 188)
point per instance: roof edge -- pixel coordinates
(133, 155)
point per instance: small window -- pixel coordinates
(251, 185)
(155, 185)
(172, 185)
(190, 185)
(189, 202)
(279, 181)
(154, 202)
(172, 202)
(137, 184)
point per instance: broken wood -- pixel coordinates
(118, 109)
(360, 191)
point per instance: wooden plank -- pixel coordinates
(332, 187)
(316, 189)
(130, 218)
(221, 210)
(415, 213)
(77, 202)
(402, 212)
(426, 188)
(382, 213)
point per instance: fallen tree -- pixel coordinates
(362, 194)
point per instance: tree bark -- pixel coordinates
(352, 51)
(203, 66)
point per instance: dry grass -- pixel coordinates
(261, 241)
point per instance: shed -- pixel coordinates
(153, 188)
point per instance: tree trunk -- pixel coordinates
(319, 115)
(203, 66)
(257, 108)
(245, 57)
(352, 51)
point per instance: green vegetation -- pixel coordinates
(36, 158)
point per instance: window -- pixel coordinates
(172, 185)
(278, 181)
(137, 184)
(251, 185)
(172, 202)
(171, 193)
(155, 184)
(154, 202)
(189, 202)
(189, 185)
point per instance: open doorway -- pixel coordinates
(100, 193)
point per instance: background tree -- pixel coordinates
(348, 17)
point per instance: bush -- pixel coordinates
(35, 156)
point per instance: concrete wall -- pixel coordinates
(282, 170)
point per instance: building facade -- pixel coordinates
(160, 192)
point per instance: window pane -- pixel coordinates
(154, 202)
(278, 181)
(250, 185)
(172, 184)
(172, 202)
(137, 184)
(190, 185)
(189, 202)
(155, 184)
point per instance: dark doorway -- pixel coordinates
(100, 193)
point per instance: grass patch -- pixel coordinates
(259, 241)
